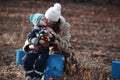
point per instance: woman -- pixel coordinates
(60, 33)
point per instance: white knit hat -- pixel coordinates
(53, 13)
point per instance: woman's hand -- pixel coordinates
(50, 32)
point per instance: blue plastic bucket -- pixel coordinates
(19, 55)
(54, 67)
(116, 69)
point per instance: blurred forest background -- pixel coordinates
(95, 34)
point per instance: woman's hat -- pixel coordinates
(54, 12)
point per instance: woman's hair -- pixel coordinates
(56, 26)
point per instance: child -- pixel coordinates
(37, 50)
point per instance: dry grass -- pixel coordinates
(95, 36)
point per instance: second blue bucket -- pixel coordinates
(19, 55)
(116, 69)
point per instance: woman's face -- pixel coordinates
(49, 22)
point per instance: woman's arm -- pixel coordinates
(64, 37)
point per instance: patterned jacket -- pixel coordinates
(64, 34)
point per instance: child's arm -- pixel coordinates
(33, 39)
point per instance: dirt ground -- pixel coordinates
(95, 35)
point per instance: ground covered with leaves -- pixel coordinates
(95, 35)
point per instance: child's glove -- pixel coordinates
(43, 35)
(46, 36)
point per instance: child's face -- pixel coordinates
(44, 21)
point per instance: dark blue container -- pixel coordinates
(116, 69)
(19, 55)
(54, 67)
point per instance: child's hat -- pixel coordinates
(35, 18)
(54, 12)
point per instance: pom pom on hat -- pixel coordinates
(53, 13)
(57, 6)
(35, 18)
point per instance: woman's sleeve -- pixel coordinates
(64, 39)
